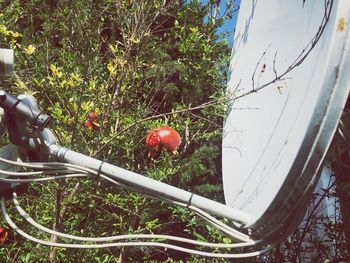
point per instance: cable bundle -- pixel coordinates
(58, 171)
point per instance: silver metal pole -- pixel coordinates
(6, 61)
(150, 185)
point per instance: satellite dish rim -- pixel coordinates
(279, 219)
(326, 128)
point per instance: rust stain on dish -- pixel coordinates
(341, 24)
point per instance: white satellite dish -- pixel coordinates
(295, 54)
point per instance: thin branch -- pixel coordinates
(207, 120)
(274, 65)
(257, 65)
(311, 215)
(278, 77)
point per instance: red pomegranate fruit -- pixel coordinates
(92, 120)
(3, 235)
(164, 136)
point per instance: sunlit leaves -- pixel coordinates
(30, 49)
(56, 71)
(127, 61)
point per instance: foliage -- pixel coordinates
(138, 65)
(129, 61)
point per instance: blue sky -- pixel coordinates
(229, 25)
